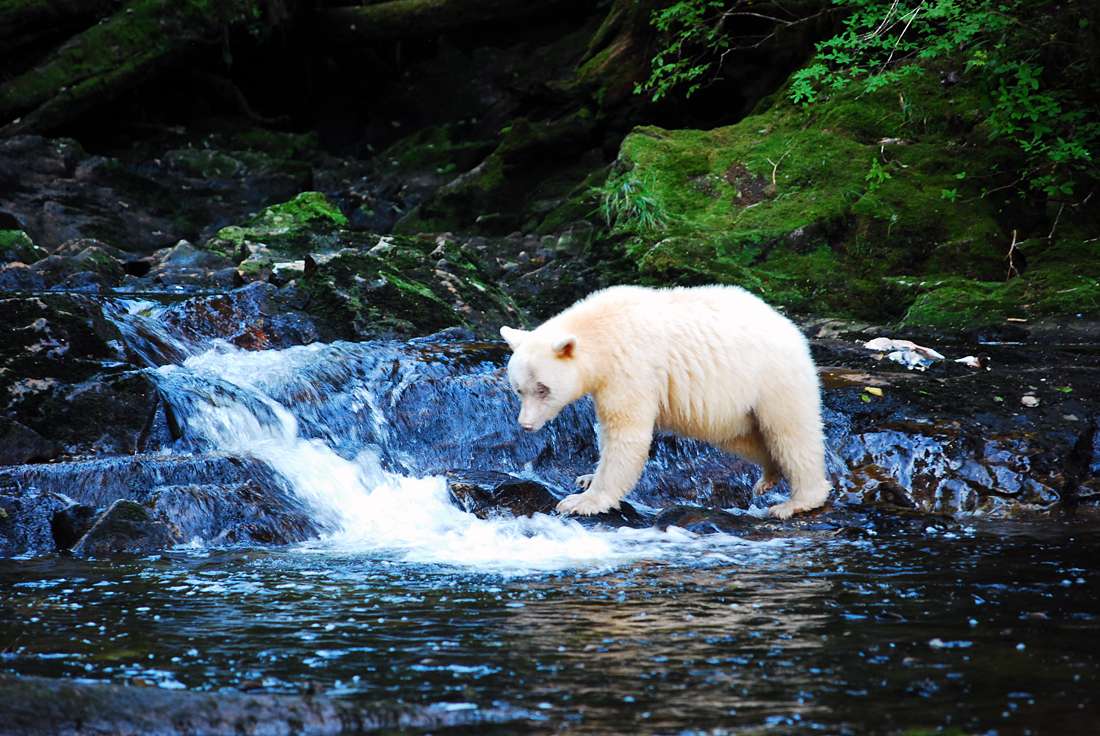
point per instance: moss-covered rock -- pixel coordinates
(825, 209)
(510, 189)
(307, 223)
(406, 285)
(16, 245)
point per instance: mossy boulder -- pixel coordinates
(843, 207)
(307, 223)
(404, 285)
(16, 245)
(521, 181)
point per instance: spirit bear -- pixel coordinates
(714, 363)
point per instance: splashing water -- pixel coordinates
(318, 416)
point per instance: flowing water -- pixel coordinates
(981, 626)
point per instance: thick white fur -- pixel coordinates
(714, 363)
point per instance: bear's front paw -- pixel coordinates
(584, 504)
(584, 481)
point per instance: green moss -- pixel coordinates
(407, 285)
(822, 209)
(309, 222)
(1064, 280)
(16, 245)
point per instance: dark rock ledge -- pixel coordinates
(38, 706)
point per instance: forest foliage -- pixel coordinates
(1035, 60)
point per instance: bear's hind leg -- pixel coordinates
(752, 447)
(794, 437)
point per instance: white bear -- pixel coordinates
(714, 363)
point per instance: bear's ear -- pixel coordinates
(513, 337)
(564, 347)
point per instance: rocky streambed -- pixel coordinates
(129, 424)
(270, 457)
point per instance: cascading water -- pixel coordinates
(362, 432)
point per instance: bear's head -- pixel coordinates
(544, 372)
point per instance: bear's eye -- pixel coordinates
(542, 390)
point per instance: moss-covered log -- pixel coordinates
(23, 20)
(111, 57)
(398, 19)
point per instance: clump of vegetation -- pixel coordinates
(1038, 70)
(1034, 60)
(628, 202)
(895, 174)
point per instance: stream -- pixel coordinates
(390, 591)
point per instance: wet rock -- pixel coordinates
(20, 277)
(71, 523)
(487, 494)
(254, 317)
(25, 523)
(63, 374)
(126, 528)
(625, 515)
(400, 285)
(94, 265)
(703, 520)
(37, 706)
(236, 513)
(20, 444)
(851, 523)
(185, 265)
(100, 482)
(56, 191)
(215, 499)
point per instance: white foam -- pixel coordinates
(373, 512)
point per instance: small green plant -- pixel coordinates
(628, 202)
(877, 175)
(951, 195)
